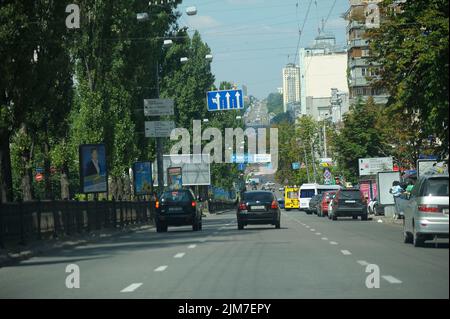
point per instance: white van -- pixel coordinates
(308, 191)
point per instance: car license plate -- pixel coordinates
(258, 207)
(175, 209)
(445, 211)
(350, 201)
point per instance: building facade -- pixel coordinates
(291, 86)
(361, 16)
(323, 67)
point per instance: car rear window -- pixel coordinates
(435, 187)
(350, 194)
(307, 193)
(258, 196)
(292, 195)
(176, 196)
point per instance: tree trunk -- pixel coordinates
(6, 186)
(113, 187)
(127, 186)
(65, 189)
(120, 193)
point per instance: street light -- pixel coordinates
(209, 57)
(141, 17)
(167, 43)
(184, 60)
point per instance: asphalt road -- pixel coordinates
(309, 257)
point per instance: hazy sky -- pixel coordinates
(251, 40)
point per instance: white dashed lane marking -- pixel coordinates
(312, 229)
(346, 252)
(333, 243)
(179, 255)
(318, 234)
(324, 238)
(131, 287)
(192, 246)
(161, 268)
(391, 280)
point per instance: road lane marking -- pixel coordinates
(391, 280)
(132, 287)
(346, 252)
(161, 268)
(333, 243)
(312, 229)
(192, 246)
(307, 226)
(324, 238)
(362, 262)
(179, 255)
(318, 234)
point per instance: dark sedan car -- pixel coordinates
(258, 207)
(177, 208)
(349, 202)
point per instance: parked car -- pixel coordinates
(426, 210)
(314, 202)
(349, 202)
(178, 208)
(258, 207)
(322, 207)
(374, 207)
(281, 203)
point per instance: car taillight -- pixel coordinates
(193, 204)
(429, 209)
(274, 205)
(157, 204)
(242, 206)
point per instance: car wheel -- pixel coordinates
(417, 240)
(240, 226)
(354, 217)
(334, 217)
(200, 226)
(407, 238)
(364, 217)
(195, 227)
(287, 209)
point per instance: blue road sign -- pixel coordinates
(295, 165)
(225, 100)
(241, 167)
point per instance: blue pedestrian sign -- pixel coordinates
(225, 100)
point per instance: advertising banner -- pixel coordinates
(142, 176)
(93, 169)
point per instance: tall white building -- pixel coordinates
(291, 86)
(323, 70)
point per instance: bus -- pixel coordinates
(291, 197)
(308, 191)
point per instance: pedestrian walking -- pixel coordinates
(396, 191)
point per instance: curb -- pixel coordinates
(9, 258)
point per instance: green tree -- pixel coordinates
(412, 46)
(275, 103)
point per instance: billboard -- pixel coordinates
(93, 169)
(142, 177)
(384, 183)
(175, 178)
(371, 166)
(195, 168)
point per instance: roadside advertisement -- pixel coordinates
(371, 166)
(93, 169)
(174, 178)
(142, 176)
(384, 182)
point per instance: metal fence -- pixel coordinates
(28, 221)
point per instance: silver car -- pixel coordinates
(426, 211)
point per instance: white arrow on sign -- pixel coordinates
(238, 101)
(228, 99)
(217, 101)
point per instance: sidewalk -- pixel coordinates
(17, 252)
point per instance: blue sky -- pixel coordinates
(252, 40)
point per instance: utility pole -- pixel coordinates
(313, 162)
(159, 141)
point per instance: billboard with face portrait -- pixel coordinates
(93, 168)
(142, 175)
